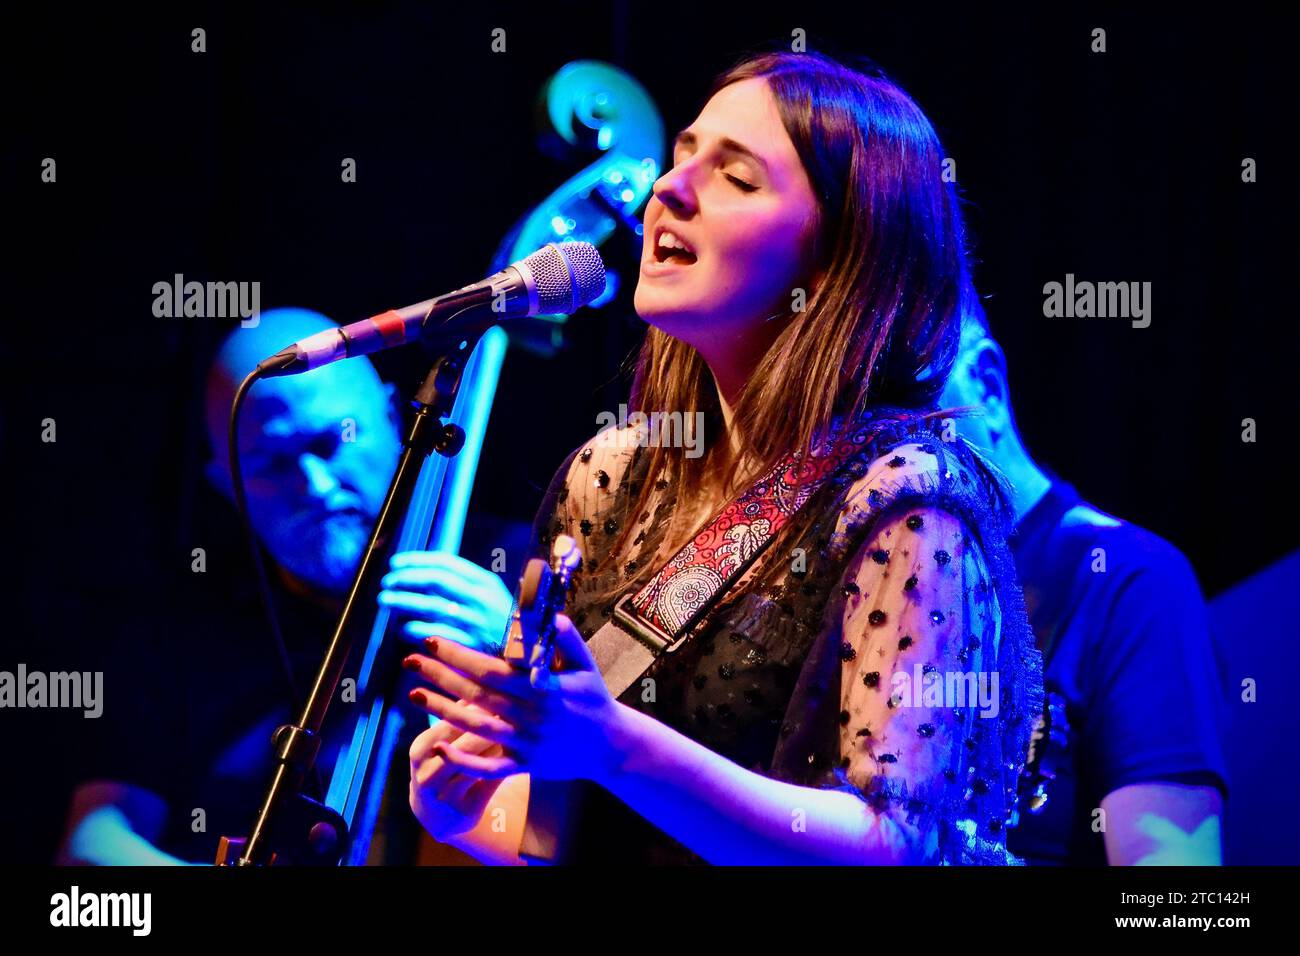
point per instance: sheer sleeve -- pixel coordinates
(911, 677)
(588, 499)
(902, 634)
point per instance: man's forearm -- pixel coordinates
(1163, 824)
(104, 837)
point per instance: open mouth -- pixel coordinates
(670, 248)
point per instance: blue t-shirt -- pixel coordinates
(1132, 689)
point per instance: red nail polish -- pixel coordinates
(432, 644)
(416, 696)
(411, 663)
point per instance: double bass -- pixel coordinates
(591, 112)
(596, 114)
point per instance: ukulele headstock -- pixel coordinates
(543, 589)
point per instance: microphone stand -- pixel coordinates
(291, 827)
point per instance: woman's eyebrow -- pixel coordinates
(687, 138)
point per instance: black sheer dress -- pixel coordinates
(881, 648)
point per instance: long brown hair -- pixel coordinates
(882, 327)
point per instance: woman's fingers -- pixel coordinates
(458, 685)
(486, 767)
(575, 655)
(438, 774)
(422, 746)
(467, 717)
(433, 771)
(485, 669)
(447, 781)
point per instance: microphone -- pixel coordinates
(557, 279)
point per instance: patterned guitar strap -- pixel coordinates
(659, 617)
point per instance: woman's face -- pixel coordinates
(738, 198)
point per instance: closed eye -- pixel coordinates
(741, 184)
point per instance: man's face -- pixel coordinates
(318, 452)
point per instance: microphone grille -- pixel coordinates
(568, 276)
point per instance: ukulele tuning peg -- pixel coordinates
(565, 553)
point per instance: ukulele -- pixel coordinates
(543, 589)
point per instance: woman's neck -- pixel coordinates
(728, 416)
(732, 364)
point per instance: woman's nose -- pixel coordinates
(673, 189)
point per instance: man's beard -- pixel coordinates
(323, 548)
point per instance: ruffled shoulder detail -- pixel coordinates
(909, 468)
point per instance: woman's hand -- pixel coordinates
(554, 725)
(447, 802)
(446, 595)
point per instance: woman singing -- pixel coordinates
(864, 692)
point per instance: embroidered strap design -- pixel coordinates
(663, 612)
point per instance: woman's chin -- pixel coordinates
(670, 322)
(665, 312)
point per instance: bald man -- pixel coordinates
(317, 450)
(189, 761)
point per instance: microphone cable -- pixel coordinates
(255, 551)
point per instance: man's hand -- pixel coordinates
(445, 595)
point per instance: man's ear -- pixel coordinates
(393, 406)
(989, 381)
(219, 476)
